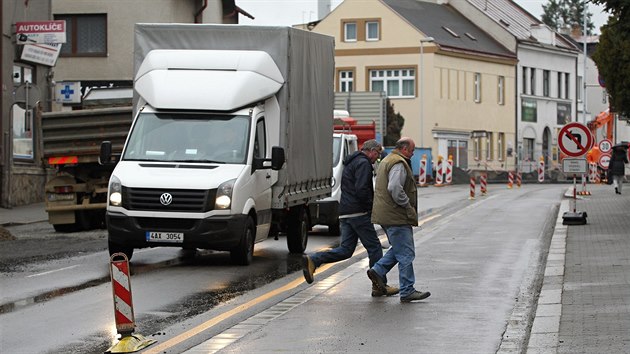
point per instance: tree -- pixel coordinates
(566, 14)
(612, 57)
(395, 123)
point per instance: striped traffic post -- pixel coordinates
(472, 187)
(510, 179)
(123, 308)
(422, 177)
(541, 169)
(519, 179)
(483, 183)
(439, 173)
(449, 169)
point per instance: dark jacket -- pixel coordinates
(617, 162)
(357, 190)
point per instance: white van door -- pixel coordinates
(263, 180)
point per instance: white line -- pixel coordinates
(52, 271)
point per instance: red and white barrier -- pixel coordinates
(123, 308)
(510, 179)
(519, 179)
(422, 177)
(483, 183)
(472, 188)
(439, 178)
(449, 169)
(541, 170)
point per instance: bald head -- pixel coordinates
(406, 146)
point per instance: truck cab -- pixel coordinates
(326, 211)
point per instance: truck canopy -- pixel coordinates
(181, 79)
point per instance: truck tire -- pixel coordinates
(118, 248)
(243, 254)
(297, 230)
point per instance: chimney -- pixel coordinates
(576, 31)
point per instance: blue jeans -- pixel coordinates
(352, 230)
(402, 252)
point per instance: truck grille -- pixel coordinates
(183, 200)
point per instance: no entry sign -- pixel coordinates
(575, 139)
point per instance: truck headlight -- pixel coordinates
(115, 191)
(224, 195)
(332, 181)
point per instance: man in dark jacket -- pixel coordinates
(355, 209)
(617, 165)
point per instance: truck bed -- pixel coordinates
(80, 133)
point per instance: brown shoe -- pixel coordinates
(390, 290)
(377, 281)
(308, 268)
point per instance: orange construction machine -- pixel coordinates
(602, 129)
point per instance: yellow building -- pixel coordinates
(453, 83)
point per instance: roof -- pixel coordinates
(514, 19)
(448, 27)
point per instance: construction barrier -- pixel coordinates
(541, 169)
(123, 308)
(593, 176)
(439, 173)
(584, 191)
(472, 188)
(483, 183)
(519, 179)
(510, 179)
(422, 176)
(449, 169)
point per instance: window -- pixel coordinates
(524, 80)
(346, 81)
(532, 81)
(489, 146)
(501, 90)
(566, 85)
(459, 150)
(395, 82)
(86, 35)
(477, 88)
(350, 32)
(21, 114)
(528, 149)
(260, 142)
(559, 95)
(529, 110)
(546, 83)
(477, 148)
(501, 146)
(372, 31)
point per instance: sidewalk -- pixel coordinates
(584, 304)
(24, 214)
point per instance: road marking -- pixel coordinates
(51, 271)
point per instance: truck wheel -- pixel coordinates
(334, 229)
(297, 230)
(243, 254)
(118, 248)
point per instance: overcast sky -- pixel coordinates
(291, 12)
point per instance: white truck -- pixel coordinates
(326, 211)
(230, 140)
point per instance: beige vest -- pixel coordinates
(385, 211)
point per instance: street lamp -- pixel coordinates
(422, 41)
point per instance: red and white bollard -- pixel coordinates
(519, 179)
(422, 177)
(541, 170)
(123, 308)
(483, 183)
(510, 179)
(439, 173)
(472, 188)
(449, 169)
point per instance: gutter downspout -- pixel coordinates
(198, 13)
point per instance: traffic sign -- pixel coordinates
(604, 161)
(575, 166)
(575, 139)
(605, 146)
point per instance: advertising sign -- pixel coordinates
(40, 32)
(45, 54)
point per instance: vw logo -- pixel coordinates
(166, 198)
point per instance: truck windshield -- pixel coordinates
(186, 137)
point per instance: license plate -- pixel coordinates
(175, 237)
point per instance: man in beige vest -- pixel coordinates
(395, 209)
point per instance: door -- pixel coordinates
(263, 180)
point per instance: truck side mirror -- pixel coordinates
(277, 158)
(106, 153)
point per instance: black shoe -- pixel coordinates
(617, 190)
(377, 281)
(416, 295)
(308, 268)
